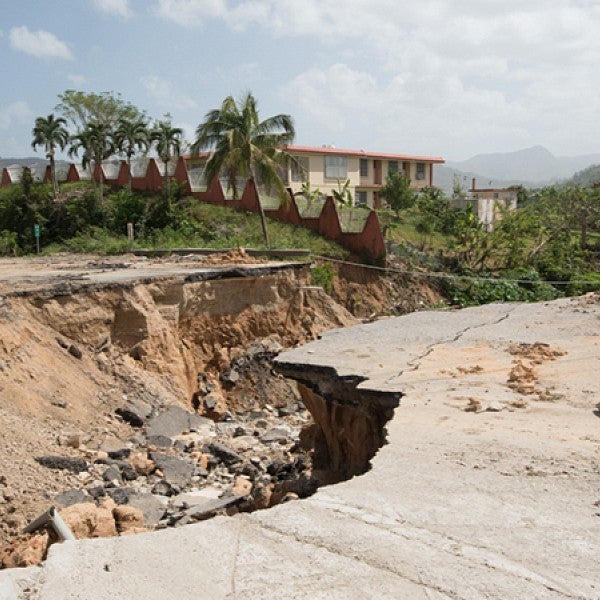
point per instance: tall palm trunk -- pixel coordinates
(53, 172)
(100, 180)
(166, 179)
(263, 219)
(101, 186)
(129, 178)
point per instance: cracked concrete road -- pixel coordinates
(488, 486)
(68, 272)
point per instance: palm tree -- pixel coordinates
(97, 144)
(242, 145)
(168, 144)
(129, 135)
(50, 133)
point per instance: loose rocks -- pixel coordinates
(74, 465)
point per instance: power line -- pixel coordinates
(442, 275)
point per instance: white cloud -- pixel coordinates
(163, 92)
(16, 112)
(76, 79)
(41, 44)
(113, 7)
(410, 113)
(332, 97)
(450, 76)
(190, 12)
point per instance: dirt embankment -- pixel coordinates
(368, 292)
(68, 362)
(76, 365)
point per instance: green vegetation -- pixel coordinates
(323, 275)
(543, 250)
(343, 196)
(78, 222)
(96, 144)
(398, 193)
(131, 136)
(168, 144)
(468, 291)
(82, 108)
(244, 146)
(50, 133)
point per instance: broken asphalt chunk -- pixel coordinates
(65, 463)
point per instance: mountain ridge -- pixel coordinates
(535, 165)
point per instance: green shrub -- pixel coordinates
(577, 286)
(125, 207)
(470, 291)
(93, 239)
(322, 275)
(8, 243)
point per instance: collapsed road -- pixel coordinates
(486, 484)
(140, 394)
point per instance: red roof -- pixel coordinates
(361, 153)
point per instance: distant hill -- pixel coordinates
(443, 178)
(532, 166)
(585, 178)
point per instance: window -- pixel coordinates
(364, 167)
(361, 198)
(299, 168)
(336, 167)
(392, 167)
(420, 171)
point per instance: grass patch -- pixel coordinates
(201, 225)
(408, 229)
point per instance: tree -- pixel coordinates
(97, 144)
(129, 136)
(343, 195)
(243, 145)
(168, 144)
(50, 133)
(435, 212)
(472, 244)
(309, 194)
(458, 192)
(583, 209)
(398, 193)
(81, 108)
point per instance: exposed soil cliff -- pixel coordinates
(67, 362)
(93, 349)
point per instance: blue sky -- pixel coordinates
(448, 78)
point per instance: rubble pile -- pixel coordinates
(178, 465)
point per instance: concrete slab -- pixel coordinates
(459, 504)
(64, 274)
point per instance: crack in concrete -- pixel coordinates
(486, 561)
(235, 562)
(492, 560)
(415, 362)
(361, 559)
